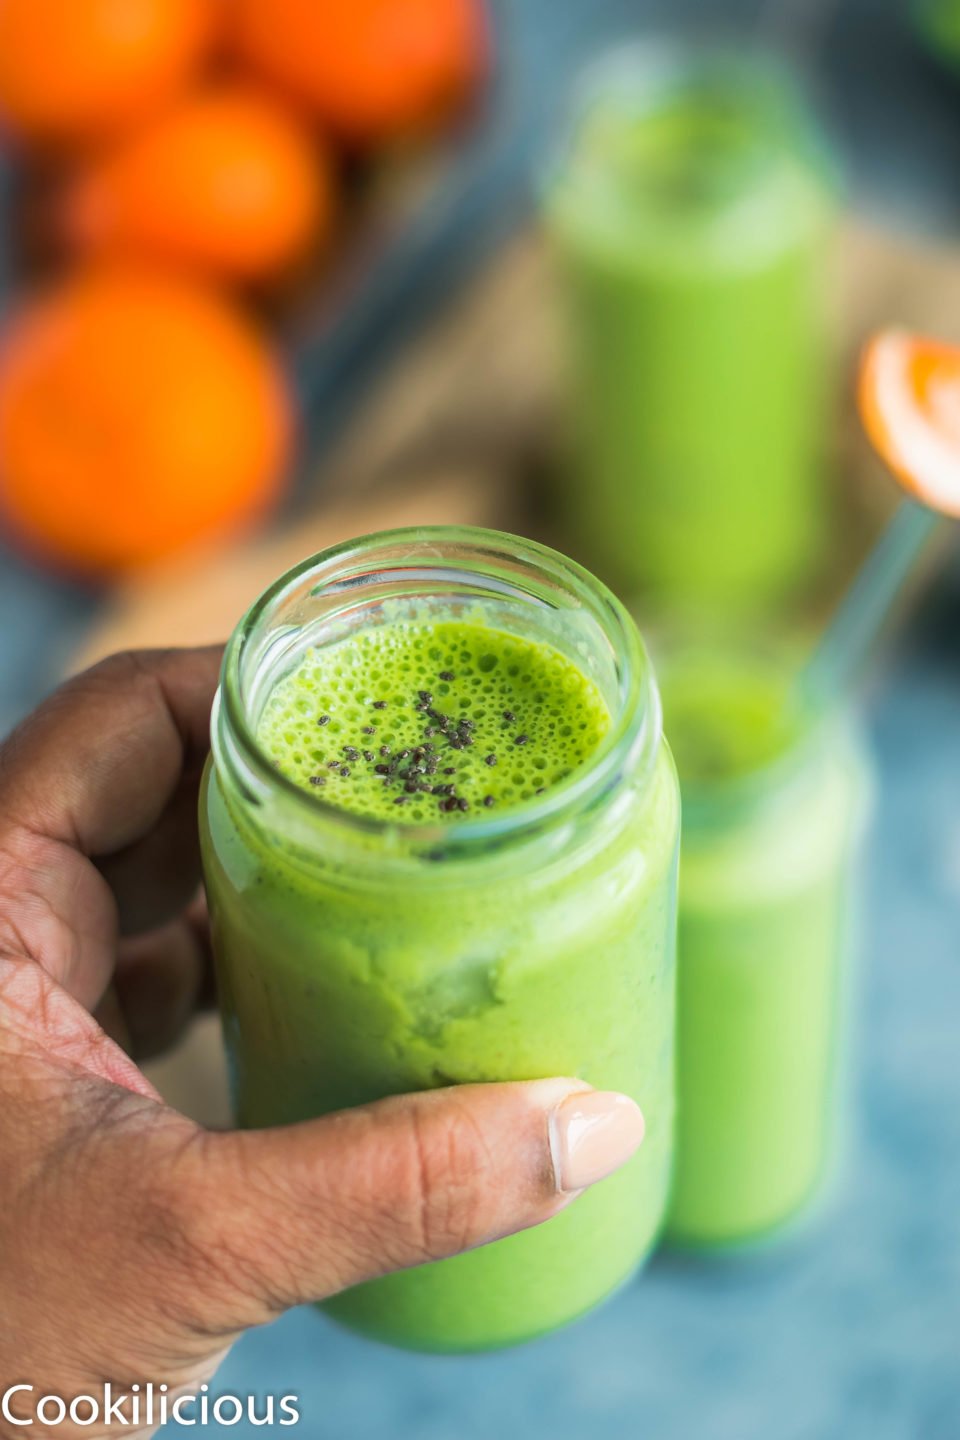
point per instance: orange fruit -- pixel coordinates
(139, 412)
(72, 69)
(371, 69)
(225, 180)
(909, 401)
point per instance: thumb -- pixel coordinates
(310, 1209)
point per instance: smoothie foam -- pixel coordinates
(429, 720)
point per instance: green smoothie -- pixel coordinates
(938, 24)
(461, 867)
(773, 804)
(439, 717)
(690, 219)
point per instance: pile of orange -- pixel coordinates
(197, 147)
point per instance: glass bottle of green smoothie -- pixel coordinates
(690, 212)
(440, 836)
(774, 804)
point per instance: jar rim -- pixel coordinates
(717, 800)
(631, 741)
(641, 76)
(644, 73)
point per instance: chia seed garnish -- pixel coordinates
(417, 767)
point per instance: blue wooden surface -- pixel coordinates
(850, 1330)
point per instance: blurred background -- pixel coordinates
(272, 281)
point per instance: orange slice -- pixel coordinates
(909, 401)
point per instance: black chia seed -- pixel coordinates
(508, 715)
(369, 729)
(489, 759)
(318, 780)
(324, 720)
(379, 704)
(447, 675)
(521, 739)
(488, 801)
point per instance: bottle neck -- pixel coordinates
(514, 585)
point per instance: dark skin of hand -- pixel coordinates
(134, 1244)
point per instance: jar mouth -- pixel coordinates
(656, 129)
(738, 705)
(708, 803)
(434, 562)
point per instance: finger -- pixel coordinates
(114, 753)
(154, 878)
(98, 763)
(160, 982)
(298, 1213)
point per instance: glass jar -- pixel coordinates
(774, 804)
(690, 211)
(358, 959)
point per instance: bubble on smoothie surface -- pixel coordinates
(426, 720)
